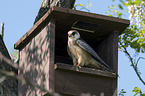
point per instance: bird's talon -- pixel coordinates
(77, 66)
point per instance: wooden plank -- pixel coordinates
(52, 54)
(71, 83)
(108, 51)
(67, 17)
(85, 70)
(37, 61)
(114, 56)
(103, 17)
(32, 32)
(90, 15)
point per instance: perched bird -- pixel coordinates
(82, 54)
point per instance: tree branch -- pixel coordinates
(132, 63)
(135, 67)
(8, 61)
(21, 77)
(2, 29)
(139, 59)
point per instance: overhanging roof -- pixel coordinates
(65, 18)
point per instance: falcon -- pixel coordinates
(82, 54)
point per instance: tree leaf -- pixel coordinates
(120, 6)
(126, 4)
(110, 7)
(80, 5)
(143, 94)
(113, 6)
(110, 15)
(136, 90)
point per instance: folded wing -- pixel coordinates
(86, 47)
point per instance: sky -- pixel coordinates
(19, 15)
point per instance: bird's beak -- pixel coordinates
(69, 35)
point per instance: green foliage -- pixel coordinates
(120, 6)
(138, 91)
(83, 6)
(134, 38)
(113, 11)
(14, 53)
(122, 92)
(134, 35)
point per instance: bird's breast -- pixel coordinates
(78, 51)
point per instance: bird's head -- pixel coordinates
(73, 35)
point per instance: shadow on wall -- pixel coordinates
(35, 61)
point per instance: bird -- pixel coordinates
(82, 54)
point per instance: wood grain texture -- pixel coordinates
(52, 54)
(67, 17)
(73, 83)
(36, 60)
(108, 51)
(85, 70)
(45, 44)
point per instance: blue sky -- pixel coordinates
(19, 15)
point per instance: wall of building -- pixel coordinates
(36, 62)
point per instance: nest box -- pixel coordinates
(44, 57)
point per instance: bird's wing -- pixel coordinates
(86, 47)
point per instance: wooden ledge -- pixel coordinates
(92, 71)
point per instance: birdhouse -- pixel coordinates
(45, 61)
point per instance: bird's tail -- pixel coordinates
(100, 65)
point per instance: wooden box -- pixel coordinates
(44, 58)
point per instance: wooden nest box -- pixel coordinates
(44, 57)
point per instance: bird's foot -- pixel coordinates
(77, 65)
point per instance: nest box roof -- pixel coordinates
(97, 26)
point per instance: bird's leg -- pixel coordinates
(79, 62)
(74, 60)
(75, 63)
(78, 66)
